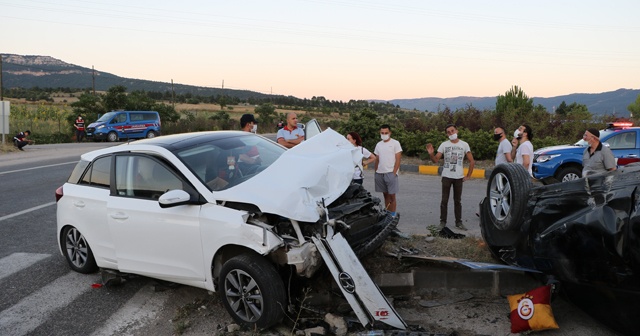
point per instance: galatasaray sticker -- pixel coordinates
(525, 308)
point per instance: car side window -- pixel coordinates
(622, 141)
(99, 173)
(143, 177)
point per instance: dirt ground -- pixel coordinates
(195, 312)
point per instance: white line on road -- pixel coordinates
(141, 309)
(26, 211)
(18, 261)
(26, 315)
(39, 167)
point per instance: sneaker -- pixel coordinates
(442, 225)
(461, 226)
(20, 148)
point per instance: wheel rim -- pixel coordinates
(151, 135)
(112, 137)
(570, 177)
(244, 295)
(77, 248)
(500, 196)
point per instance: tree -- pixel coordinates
(89, 106)
(513, 106)
(267, 114)
(634, 108)
(116, 98)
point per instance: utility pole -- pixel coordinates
(1, 95)
(173, 95)
(93, 76)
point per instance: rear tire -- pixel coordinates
(77, 251)
(569, 174)
(252, 291)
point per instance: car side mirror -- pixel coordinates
(174, 198)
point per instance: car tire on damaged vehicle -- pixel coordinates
(507, 190)
(252, 291)
(502, 210)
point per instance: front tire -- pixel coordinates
(112, 137)
(151, 134)
(252, 291)
(569, 174)
(77, 251)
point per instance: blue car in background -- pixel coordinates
(116, 125)
(564, 163)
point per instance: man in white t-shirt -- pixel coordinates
(523, 148)
(389, 152)
(454, 151)
(504, 146)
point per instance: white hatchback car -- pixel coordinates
(226, 211)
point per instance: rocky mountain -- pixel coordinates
(44, 71)
(28, 71)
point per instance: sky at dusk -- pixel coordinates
(341, 49)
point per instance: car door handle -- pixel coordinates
(119, 215)
(79, 204)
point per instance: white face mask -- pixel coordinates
(254, 129)
(453, 136)
(384, 137)
(516, 134)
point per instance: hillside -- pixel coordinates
(48, 72)
(613, 102)
(44, 71)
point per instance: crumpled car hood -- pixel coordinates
(318, 169)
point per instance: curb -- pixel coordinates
(437, 170)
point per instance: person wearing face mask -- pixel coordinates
(504, 147)
(454, 151)
(249, 158)
(522, 148)
(387, 165)
(368, 157)
(596, 158)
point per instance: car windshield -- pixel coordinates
(603, 133)
(106, 117)
(223, 163)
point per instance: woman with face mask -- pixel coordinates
(522, 148)
(368, 157)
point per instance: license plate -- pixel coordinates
(89, 133)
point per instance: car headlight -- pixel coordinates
(99, 127)
(546, 157)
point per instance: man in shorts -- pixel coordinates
(389, 153)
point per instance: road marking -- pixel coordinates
(26, 315)
(39, 167)
(26, 211)
(18, 261)
(141, 309)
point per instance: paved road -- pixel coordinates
(39, 295)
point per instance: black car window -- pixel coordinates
(143, 177)
(99, 173)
